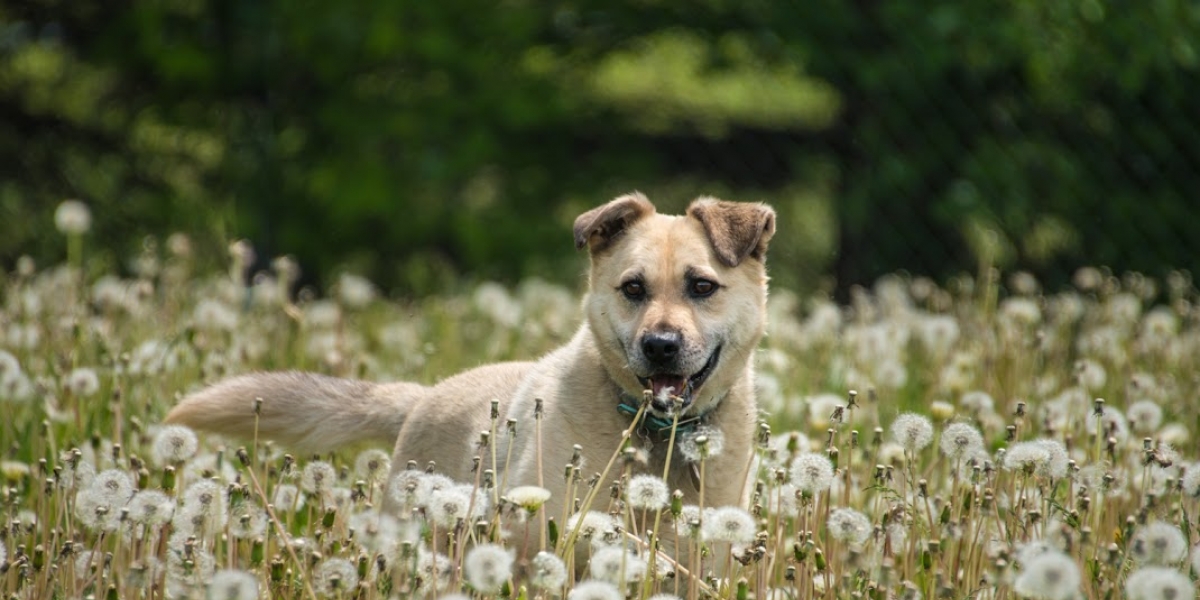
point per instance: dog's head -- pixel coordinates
(677, 303)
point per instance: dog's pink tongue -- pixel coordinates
(667, 385)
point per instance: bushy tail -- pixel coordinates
(304, 412)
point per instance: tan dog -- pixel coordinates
(675, 305)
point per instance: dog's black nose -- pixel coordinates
(661, 348)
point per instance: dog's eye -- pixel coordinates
(634, 290)
(701, 288)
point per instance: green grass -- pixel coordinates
(91, 363)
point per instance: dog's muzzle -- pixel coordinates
(665, 385)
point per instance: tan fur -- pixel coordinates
(580, 383)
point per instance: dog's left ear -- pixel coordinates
(736, 230)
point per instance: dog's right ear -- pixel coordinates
(597, 228)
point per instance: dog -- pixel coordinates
(674, 311)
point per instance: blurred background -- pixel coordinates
(427, 143)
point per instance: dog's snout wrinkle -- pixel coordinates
(662, 348)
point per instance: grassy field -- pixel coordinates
(982, 439)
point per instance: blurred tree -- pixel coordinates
(407, 140)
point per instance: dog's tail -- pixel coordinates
(305, 412)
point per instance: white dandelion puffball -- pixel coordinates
(912, 431)
(73, 217)
(487, 567)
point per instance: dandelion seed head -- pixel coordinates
(960, 440)
(232, 584)
(318, 478)
(408, 489)
(97, 513)
(434, 570)
(247, 521)
(378, 533)
(286, 497)
(1020, 312)
(82, 382)
(1190, 480)
(9, 365)
(355, 291)
(1035, 457)
(591, 524)
(547, 571)
(151, 507)
(76, 474)
(912, 431)
(812, 472)
(372, 465)
(201, 568)
(595, 590)
(205, 503)
(113, 486)
(647, 492)
(1158, 543)
(72, 217)
(1030, 551)
(1090, 374)
(822, 408)
(86, 562)
(335, 576)
(937, 333)
(729, 524)
(1175, 434)
(447, 506)
(1159, 583)
(174, 444)
(784, 502)
(1057, 460)
(849, 525)
(616, 565)
(214, 315)
(1144, 416)
(1053, 576)
(691, 448)
(687, 521)
(487, 567)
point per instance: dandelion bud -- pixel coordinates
(257, 548)
(168, 479)
(941, 411)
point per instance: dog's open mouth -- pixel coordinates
(664, 386)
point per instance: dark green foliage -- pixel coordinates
(412, 140)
